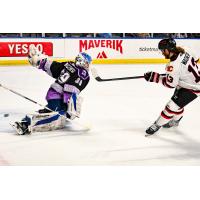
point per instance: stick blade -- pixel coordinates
(98, 79)
(94, 72)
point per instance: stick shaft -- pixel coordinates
(17, 93)
(118, 79)
(98, 78)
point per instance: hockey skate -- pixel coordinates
(21, 128)
(44, 110)
(172, 123)
(152, 129)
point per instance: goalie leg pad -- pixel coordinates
(74, 106)
(46, 122)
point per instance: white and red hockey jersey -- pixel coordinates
(183, 72)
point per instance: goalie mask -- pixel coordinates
(83, 60)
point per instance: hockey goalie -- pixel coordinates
(63, 99)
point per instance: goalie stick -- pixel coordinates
(87, 128)
(98, 78)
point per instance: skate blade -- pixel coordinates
(149, 135)
(14, 126)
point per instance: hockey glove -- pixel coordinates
(152, 77)
(35, 56)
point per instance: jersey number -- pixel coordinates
(79, 81)
(194, 70)
(170, 79)
(63, 77)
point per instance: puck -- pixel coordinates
(6, 115)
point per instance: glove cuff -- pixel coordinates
(155, 77)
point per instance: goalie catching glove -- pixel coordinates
(152, 77)
(35, 56)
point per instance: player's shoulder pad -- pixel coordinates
(70, 66)
(184, 58)
(175, 65)
(83, 73)
(171, 67)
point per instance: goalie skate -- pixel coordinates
(20, 128)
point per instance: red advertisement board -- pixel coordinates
(20, 49)
(116, 45)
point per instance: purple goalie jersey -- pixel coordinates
(69, 79)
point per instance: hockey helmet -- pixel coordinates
(169, 44)
(83, 60)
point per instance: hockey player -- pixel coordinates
(183, 74)
(63, 95)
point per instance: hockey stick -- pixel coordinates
(98, 78)
(67, 119)
(24, 97)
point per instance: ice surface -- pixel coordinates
(119, 113)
